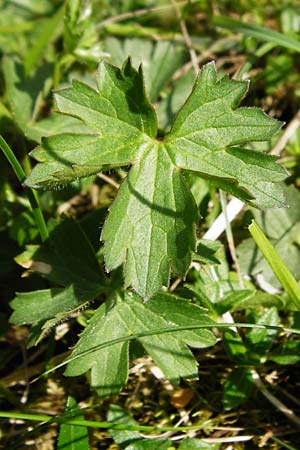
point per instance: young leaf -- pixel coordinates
(109, 364)
(151, 225)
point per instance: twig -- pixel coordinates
(275, 402)
(136, 13)
(175, 284)
(186, 37)
(230, 239)
(108, 180)
(287, 134)
(227, 439)
(205, 54)
(233, 208)
(25, 393)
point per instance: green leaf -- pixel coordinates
(60, 261)
(247, 299)
(258, 32)
(73, 437)
(195, 444)
(237, 387)
(170, 105)
(234, 346)
(47, 32)
(259, 341)
(118, 115)
(32, 307)
(209, 125)
(23, 228)
(75, 23)
(151, 225)
(206, 252)
(24, 94)
(181, 312)
(109, 365)
(287, 353)
(147, 444)
(116, 415)
(60, 258)
(55, 124)
(211, 287)
(160, 60)
(80, 35)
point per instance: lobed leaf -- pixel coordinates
(159, 60)
(118, 115)
(208, 126)
(60, 261)
(109, 364)
(151, 225)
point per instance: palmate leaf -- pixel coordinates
(151, 225)
(120, 318)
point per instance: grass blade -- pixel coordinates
(258, 32)
(31, 195)
(170, 329)
(48, 33)
(279, 268)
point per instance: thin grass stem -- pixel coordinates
(31, 195)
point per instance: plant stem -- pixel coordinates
(96, 424)
(283, 444)
(230, 239)
(134, 14)
(186, 37)
(169, 329)
(31, 195)
(56, 74)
